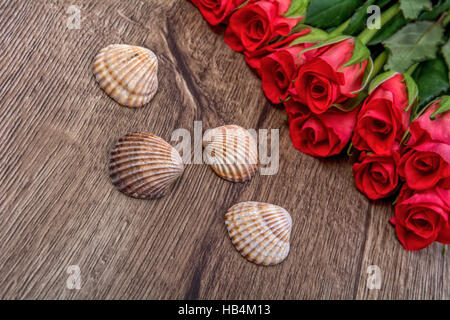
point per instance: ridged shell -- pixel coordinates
(144, 166)
(232, 152)
(128, 74)
(260, 231)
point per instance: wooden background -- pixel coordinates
(59, 208)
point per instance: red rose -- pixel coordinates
(376, 175)
(257, 23)
(279, 69)
(323, 135)
(425, 131)
(295, 109)
(383, 120)
(445, 183)
(427, 163)
(321, 82)
(216, 11)
(253, 58)
(432, 135)
(422, 217)
(423, 169)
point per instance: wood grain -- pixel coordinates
(59, 208)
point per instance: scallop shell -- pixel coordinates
(144, 166)
(232, 153)
(260, 231)
(128, 74)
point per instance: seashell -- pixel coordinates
(260, 231)
(232, 153)
(144, 166)
(128, 74)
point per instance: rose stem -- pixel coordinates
(340, 29)
(412, 68)
(378, 64)
(368, 34)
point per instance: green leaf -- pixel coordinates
(413, 91)
(358, 20)
(350, 104)
(438, 9)
(316, 35)
(446, 54)
(444, 106)
(367, 76)
(414, 43)
(297, 9)
(330, 13)
(389, 29)
(379, 79)
(298, 28)
(446, 19)
(412, 8)
(360, 53)
(331, 40)
(432, 79)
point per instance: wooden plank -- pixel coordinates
(58, 207)
(404, 274)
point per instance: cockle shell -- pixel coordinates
(232, 152)
(128, 74)
(144, 166)
(260, 231)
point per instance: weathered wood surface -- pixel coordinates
(58, 207)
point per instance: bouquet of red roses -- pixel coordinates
(316, 58)
(422, 209)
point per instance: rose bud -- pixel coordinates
(432, 133)
(427, 162)
(323, 135)
(323, 81)
(422, 217)
(216, 12)
(257, 23)
(383, 120)
(253, 58)
(279, 69)
(424, 169)
(376, 176)
(295, 110)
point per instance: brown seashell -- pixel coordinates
(260, 231)
(232, 152)
(128, 74)
(144, 166)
